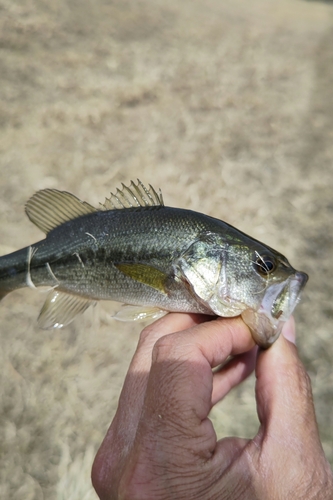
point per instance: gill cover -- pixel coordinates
(202, 265)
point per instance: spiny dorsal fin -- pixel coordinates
(136, 195)
(49, 208)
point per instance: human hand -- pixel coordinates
(161, 444)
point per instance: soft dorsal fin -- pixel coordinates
(136, 195)
(49, 208)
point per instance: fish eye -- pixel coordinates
(265, 264)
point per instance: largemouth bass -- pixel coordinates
(137, 251)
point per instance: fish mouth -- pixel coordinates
(277, 306)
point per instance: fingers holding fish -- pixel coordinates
(235, 371)
(136, 379)
(170, 323)
(182, 365)
(132, 396)
(177, 332)
(288, 443)
(142, 359)
(175, 354)
(169, 439)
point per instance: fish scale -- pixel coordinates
(139, 252)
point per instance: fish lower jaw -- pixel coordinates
(264, 331)
(276, 307)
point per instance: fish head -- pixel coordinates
(270, 291)
(234, 276)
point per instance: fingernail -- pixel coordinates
(288, 330)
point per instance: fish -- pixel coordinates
(151, 258)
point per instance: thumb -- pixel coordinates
(284, 395)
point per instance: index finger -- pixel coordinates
(121, 433)
(134, 389)
(182, 365)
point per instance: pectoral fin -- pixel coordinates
(138, 313)
(144, 274)
(60, 309)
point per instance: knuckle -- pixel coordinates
(145, 334)
(165, 348)
(148, 337)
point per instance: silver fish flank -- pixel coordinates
(151, 257)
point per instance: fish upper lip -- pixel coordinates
(302, 278)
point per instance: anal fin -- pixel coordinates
(60, 309)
